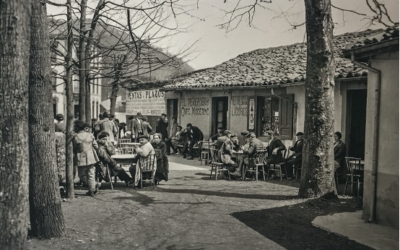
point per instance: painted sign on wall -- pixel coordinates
(195, 106)
(148, 102)
(239, 105)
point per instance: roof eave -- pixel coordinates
(365, 52)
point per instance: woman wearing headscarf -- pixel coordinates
(339, 149)
(162, 159)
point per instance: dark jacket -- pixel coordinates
(275, 143)
(340, 153)
(194, 134)
(216, 136)
(162, 128)
(298, 148)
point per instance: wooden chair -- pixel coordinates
(104, 168)
(277, 167)
(123, 141)
(148, 165)
(216, 165)
(255, 163)
(354, 174)
(205, 147)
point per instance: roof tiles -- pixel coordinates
(271, 66)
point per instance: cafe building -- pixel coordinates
(264, 90)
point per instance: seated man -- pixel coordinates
(194, 135)
(227, 149)
(220, 140)
(274, 150)
(145, 153)
(178, 138)
(295, 158)
(104, 151)
(254, 145)
(217, 135)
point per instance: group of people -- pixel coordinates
(227, 143)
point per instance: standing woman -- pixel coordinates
(85, 157)
(162, 160)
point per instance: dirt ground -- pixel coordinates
(190, 211)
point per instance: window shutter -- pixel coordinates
(286, 117)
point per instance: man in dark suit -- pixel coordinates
(295, 158)
(136, 127)
(162, 126)
(275, 146)
(194, 135)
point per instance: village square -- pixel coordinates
(199, 124)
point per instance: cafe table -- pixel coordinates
(124, 159)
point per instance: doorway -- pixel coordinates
(355, 122)
(220, 114)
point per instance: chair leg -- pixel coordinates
(262, 167)
(280, 172)
(352, 183)
(256, 173)
(211, 171)
(345, 186)
(216, 171)
(109, 177)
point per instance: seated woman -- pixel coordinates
(104, 151)
(162, 159)
(146, 157)
(339, 151)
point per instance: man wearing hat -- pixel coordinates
(162, 126)
(220, 140)
(60, 125)
(106, 125)
(145, 156)
(295, 158)
(218, 134)
(193, 135)
(275, 146)
(136, 127)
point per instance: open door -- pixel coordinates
(220, 114)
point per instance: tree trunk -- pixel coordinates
(69, 164)
(318, 167)
(82, 62)
(88, 109)
(14, 147)
(113, 98)
(46, 215)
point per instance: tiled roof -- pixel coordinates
(271, 66)
(390, 33)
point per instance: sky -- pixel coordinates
(271, 27)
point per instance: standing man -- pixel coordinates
(108, 126)
(146, 127)
(295, 158)
(136, 127)
(162, 126)
(172, 133)
(194, 135)
(274, 150)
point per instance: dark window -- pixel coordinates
(220, 114)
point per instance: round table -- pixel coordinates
(124, 159)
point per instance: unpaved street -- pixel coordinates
(190, 211)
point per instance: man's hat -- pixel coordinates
(143, 137)
(299, 133)
(59, 117)
(234, 135)
(163, 114)
(102, 135)
(139, 114)
(252, 134)
(105, 114)
(269, 132)
(226, 132)
(244, 133)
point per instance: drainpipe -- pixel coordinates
(377, 103)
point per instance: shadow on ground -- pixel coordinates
(291, 227)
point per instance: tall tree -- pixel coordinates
(47, 219)
(318, 165)
(14, 146)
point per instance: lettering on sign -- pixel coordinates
(239, 105)
(194, 106)
(147, 102)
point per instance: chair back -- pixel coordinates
(123, 141)
(353, 164)
(126, 150)
(148, 164)
(260, 156)
(284, 155)
(205, 145)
